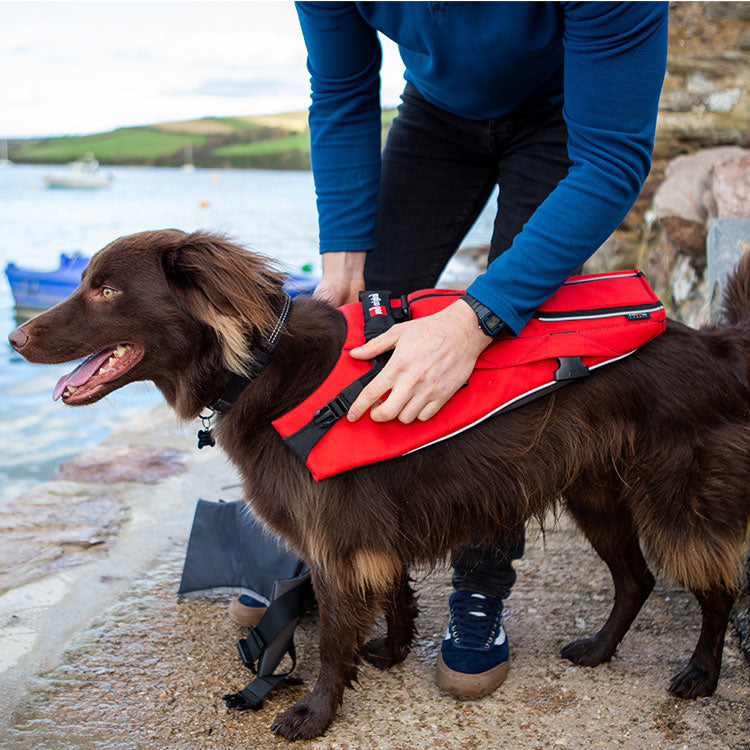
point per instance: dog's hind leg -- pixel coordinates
(400, 613)
(611, 533)
(701, 674)
(346, 619)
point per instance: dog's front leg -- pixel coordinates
(346, 617)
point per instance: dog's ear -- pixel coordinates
(235, 292)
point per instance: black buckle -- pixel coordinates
(331, 413)
(570, 368)
(250, 649)
(402, 312)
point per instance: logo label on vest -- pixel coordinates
(376, 305)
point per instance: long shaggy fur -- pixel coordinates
(651, 451)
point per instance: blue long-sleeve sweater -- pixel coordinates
(604, 60)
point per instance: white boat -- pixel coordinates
(188, 166)
(82, 174)
(4, 160)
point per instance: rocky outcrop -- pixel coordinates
(73, 519)
(109, 464)
(705, 101)
(683, 200)
(54, 526)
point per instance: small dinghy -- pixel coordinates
(34, 291)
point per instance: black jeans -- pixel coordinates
(438, 172)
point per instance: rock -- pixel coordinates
(739, 11)
(679, 201)
(680, 100)
(615, 254)
(108, 464)
(47, 529)
(729, 186)
(689, 236)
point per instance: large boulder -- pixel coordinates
(729, 187)
(681, 203)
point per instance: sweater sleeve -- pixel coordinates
(344, 58)
(614, 64)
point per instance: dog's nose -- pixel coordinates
(18, 339)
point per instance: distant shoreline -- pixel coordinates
(278, 141)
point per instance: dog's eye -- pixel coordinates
(108, 293)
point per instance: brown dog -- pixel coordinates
(655, 448)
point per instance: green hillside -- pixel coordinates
(260, 142)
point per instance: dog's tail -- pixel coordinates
(736, 301)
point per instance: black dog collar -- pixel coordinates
(261, 356)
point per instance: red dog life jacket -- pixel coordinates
(591, 321)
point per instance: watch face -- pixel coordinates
(488, 321)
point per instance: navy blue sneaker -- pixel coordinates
(473, 659)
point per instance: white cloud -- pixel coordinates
(81, 67)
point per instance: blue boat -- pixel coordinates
(34, 291)
(37, 290)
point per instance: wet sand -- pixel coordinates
(109, 658)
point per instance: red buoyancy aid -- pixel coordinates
(591, 321)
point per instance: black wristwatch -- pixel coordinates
(488, 321)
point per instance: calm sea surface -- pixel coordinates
(269, 211)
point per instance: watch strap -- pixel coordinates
(490, 323)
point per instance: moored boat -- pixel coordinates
(37, 290)
(82, 173)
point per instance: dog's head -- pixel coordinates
(165, 306)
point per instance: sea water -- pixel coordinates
(269, 211)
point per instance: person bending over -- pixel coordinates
(556, 104)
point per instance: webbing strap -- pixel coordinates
(287, 608)
(252, 695)
(307, 437)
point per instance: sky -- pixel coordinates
(88, 67)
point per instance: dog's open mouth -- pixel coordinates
(100, 368)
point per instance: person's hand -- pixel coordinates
(343, 277)
(432, 358)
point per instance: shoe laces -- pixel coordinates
(475, 618)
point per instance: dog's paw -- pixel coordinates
(302, 721)
(381, 654)
(693, 682)
(587, 652)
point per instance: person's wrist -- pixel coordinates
(472, 332)
(343, 264)
(490, 323)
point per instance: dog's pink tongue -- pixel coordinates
(82, 373)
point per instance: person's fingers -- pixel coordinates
(328, 293)
(370, 395)
(378, 345)
(393, 406)
(413, 408)
(430, 410)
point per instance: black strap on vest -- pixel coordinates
(287, 608)
(378, 316)
(307, 437)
